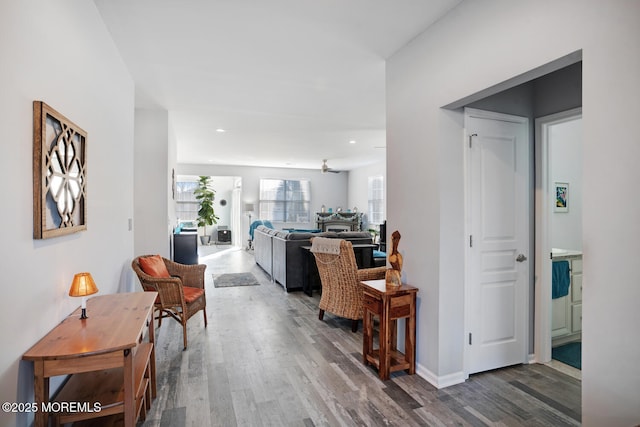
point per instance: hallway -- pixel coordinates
(266, 360)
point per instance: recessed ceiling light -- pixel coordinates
(352, 141)
(220, 130)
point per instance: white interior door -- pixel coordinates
(498, 223)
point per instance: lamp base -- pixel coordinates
(84, 314)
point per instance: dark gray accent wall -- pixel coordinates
(517, 101)
(558, 91)
(552, 93)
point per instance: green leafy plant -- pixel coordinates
(374, 234)
(205, 195)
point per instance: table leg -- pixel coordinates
(393, 335)
(152, 363)
(41, 393)
(367, 257)
(410, 337)
(129, 392)
(385, 358)
(307, 286)
(367, 339)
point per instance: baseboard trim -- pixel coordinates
(440, 381)
(454, 378)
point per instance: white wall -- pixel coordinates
(565, 152)
(224, 190)
(172, 176)
(60, 53)
(358, 187)
(478, 45)
(152, 183)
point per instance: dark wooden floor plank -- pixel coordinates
(221, 410)
(549, 401)
(174, 417)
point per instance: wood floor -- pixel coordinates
(266, 360)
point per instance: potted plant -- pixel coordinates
(206, 215)
(374, 234)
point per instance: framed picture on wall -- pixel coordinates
(561, 196)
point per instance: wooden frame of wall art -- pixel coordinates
(59, 174)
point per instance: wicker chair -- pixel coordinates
(180, 296)
(340, 278)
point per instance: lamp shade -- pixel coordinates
(82, 285)
(248, 207)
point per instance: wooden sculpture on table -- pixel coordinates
(394, 274)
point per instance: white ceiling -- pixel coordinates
(291, 81)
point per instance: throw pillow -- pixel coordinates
(154, 266)
(191, 294)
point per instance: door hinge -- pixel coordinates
(470, 339)
(470, 240)
(470, 138)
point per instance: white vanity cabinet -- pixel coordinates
(566, 317)
(576, 295)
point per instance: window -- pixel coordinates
(186, 203)
(284, 200)
(376, 199)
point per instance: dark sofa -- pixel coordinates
(279, 253)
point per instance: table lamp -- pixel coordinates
(82, 286)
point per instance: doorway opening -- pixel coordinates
(559, 241)
(227, 206)
(553, 88)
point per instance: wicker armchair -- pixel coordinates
(180, 296)
(340, 278)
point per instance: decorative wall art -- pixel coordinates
(59, 174)
(562, 197)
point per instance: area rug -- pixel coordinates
(571, 354)
(234, 279)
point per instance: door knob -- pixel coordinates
(521, 258)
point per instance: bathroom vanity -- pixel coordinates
(566, 323)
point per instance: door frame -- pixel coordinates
(543, 212)
(468, 231)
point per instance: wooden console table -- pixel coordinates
(389, 304)
(112, 366)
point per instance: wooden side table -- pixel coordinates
(389, 304)
(110, 364)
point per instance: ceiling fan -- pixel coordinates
(325, 168)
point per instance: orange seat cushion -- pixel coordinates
(191, 294)
(154, 266)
